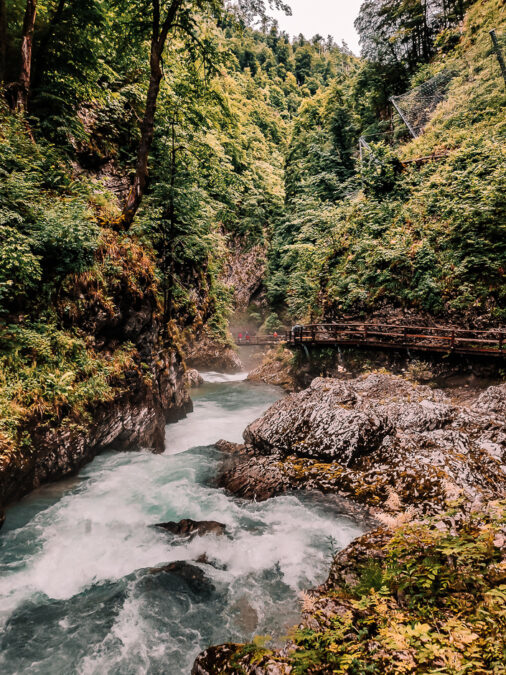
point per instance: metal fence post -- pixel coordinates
(403, 117)
(498, 52)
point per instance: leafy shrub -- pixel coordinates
(435, 603)
(20, 269)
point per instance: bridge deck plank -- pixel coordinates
(424, 338)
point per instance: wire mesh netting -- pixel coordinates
(417, 105)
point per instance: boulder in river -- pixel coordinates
(322, 421)
(379, 440)
(193, 378)
(193, 577)
(193, 528)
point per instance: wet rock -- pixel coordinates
(214, 660)
(228, 447)
(349, 562)
(204, 559)
(492, 402)
(192, 576)
(208, 354)
(193, 528)
(2, 519)
(245, 615)
(379, 440)
(193, 378)
(230, 659)
(250, 477)
(275, 369)
(319, 423)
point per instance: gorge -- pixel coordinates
(175, 174)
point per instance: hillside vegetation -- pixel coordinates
(254, 141)
(71, 268)
(430, 238)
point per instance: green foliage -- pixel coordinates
(20, 269)
(47, 374)
(436, 602)
(406, 31)
(429, 237)
(272, 323)
(46, 230)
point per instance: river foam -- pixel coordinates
(76, 594)
(213, 377)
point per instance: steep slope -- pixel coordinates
(425, 239)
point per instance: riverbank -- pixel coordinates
(432, 471)
(89, 585)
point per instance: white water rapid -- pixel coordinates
(76, 591)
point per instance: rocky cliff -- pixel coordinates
(373, 436)
(115, 309)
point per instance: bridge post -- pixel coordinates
(501, 338)
(453, 340)
(365, 332)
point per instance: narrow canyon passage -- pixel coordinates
(78, 593)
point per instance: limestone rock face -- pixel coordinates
(135, 420)
(369, 437)
(145, 397)
(492, 402)
(207, 354)
(319, 423)
(244, 272)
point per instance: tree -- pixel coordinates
(3, 40)
(404, 31)
(303, 63)
(21, 90)
(160, 27)
(178, 14)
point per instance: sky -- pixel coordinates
(327, 17)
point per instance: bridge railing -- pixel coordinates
(427, 337)
(261, 340)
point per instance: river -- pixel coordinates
(77, 591)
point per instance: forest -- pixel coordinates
(160, 159)
(140, 138)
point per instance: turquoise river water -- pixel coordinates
(76, 592)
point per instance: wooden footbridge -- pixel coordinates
(255, 340)
(440, 340)
(387, 336)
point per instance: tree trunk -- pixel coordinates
(3, 41)
(169, 278)
(40, 56)
(147, 132)
(158, 40)
(23, 86)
